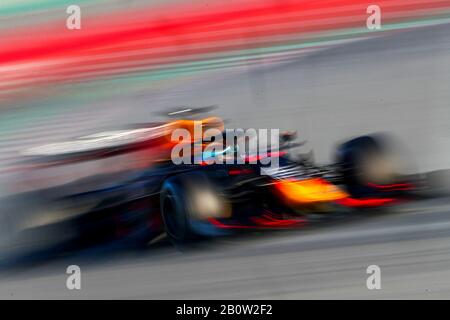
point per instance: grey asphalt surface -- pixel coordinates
(398, 84)
(411, 245)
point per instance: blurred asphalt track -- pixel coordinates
(410, 244)
(398, 83)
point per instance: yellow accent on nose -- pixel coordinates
(310, 191)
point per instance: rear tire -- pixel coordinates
(187, 201)
(175, 210)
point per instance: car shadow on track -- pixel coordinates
(125, 249)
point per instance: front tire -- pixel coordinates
(364, 161)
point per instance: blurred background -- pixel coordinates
(311, 66)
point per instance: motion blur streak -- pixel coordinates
(85, 173)
(155, 38)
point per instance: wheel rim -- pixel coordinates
(377, 169)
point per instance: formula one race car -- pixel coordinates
(189, 200)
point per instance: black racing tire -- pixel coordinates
(174, 211)
(356, 156)
(176, 206)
